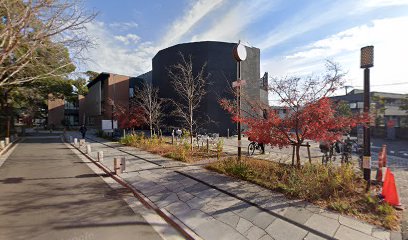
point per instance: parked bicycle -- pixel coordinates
(255, 146)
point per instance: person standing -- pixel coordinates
(83, 130)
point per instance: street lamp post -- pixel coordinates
(367, 61)
(240, 55)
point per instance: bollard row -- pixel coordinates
(119, 163)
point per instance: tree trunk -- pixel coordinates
(298, 155)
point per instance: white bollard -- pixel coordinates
(75, 141)
(7, 141)
(122, 164)
(116, 165)
(2, 144)
(88, 149)
(100, 156)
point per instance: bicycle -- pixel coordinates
(254, 146)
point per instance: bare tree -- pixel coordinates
(190, 89)
(29, 28)
(147, 98)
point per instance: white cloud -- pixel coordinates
(128, 38)
(390, 50)
(184, 24)
(123, 25)
(109, 56)
(230, 26)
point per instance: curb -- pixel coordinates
(5, 150)
(168, 217)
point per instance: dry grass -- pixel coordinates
(163, 147)
(337, 188)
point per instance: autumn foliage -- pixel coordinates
(129, 118)
(310, 114)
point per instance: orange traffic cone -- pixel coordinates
(389, 190)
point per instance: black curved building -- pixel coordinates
(222, 71)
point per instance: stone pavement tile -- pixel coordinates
(298, 214)
(193, 218)
(355, 224)
(243, 225)
(159, 196)
(184, 196)
(266, 237)
(172, 198)
(311, 236)
(263, 220)
(227, 217)
(178, 207)
(249, 213)
(323, 224)
(255, 233)
(196, 188)
(208, 193)
(197, 203)
(346, 233)
(223, 201)
(281, 230)
(381, 233)
(214, 229)
(396, 236)
(330, 214)
(154, 190)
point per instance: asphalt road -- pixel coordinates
(47, 192)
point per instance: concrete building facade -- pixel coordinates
(221, 69)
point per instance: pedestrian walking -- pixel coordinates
(83, 130)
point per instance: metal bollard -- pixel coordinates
(100, 156)
(88, 149)
(7, 141)
(208, 148)
(75, 141)
(227, 132)
(2, 144)
(70, 139)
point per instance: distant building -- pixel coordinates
(62, 113)
(384, 106)
(221, 69)
(104, 91)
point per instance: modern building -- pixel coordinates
(62, 113)
(104, 92)
(221, 69)
(388, 120)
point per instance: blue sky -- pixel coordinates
(295, 37)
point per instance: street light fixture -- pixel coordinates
(240, 55)
(367, 61)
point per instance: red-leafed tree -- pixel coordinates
(129, 118)
(310, 114)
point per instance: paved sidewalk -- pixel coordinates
(47, 192)
(219, 207)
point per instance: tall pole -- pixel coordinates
(367, 141)
(240, 55)
(367, 61)
(239, 113)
